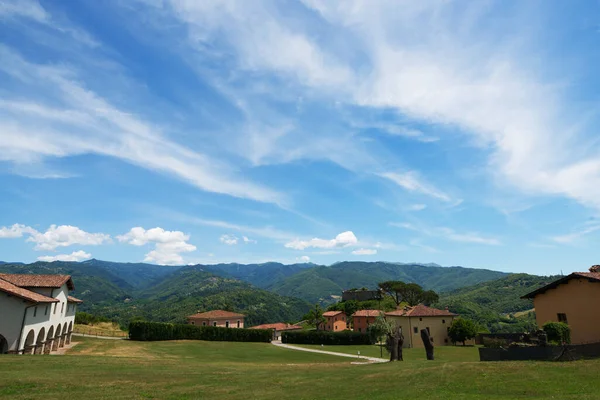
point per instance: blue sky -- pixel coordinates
(175, 132)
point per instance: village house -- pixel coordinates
(335, 321)
(221, 318)
(571, 299)
(413, 319)
(36, 313)
(363, 318)
(278, 328)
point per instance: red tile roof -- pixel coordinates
(72, 299)
(216, 314)
(420, 311)
(332, 313)
(40, 281)
(592, 276)
(367, 313)
(25, 294)
(279, 326)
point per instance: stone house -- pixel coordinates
(571, 299)
(36, 313)
(335, 321)
(221, 318)
(413, 319)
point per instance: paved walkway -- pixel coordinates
(99, 337)
(332, 353)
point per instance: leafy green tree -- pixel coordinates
(410, 293)
(557, 332)
(315, 317)
(462, 330)
(379, 330)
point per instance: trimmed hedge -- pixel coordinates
(325, 337)
(557, 332)
(154, 331)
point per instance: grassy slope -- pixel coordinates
(189, 370)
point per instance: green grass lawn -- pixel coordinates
(103, 369)
(442, 353)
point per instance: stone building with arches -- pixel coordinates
(36, 313)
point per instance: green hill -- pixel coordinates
(261, 275)
(320, 283)
(494, 303)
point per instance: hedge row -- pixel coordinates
(325, 337)
(153, 331)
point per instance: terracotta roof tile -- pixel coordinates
(421, 311)
(217, 314)
(34, 280)
(72, 299)
(279, 326)
(367, 313)
(332, 313)
(25, 294)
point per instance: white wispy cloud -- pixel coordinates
(55, 236)
(74, 256)
(229, 240)
(577, 235)
(449, 234)
(246, 239)
(168, 245)
(412, 182)
(416, 207)
(344, 239)
(364, 252)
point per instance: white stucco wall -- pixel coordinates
(38, 317)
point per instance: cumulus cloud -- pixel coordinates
(303, 259)
(364, 252)
(168, 245)
(74, 256)
(55, 236)
(229, 240)
(344, 239)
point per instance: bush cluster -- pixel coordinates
(154, 331)
(557, 332)
(325, 337)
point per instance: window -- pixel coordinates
(562, 318)
(62, 307)
(226, 324)
(35, 311)
(204, 323)
(443, 321)
(215, 323)
(416, 330)
(193, 323)
(238, 324)
(359, 329)
(46, 311)
(55, 307)
(420, 319)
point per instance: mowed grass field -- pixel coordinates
(115, 369)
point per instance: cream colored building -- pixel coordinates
(572, 299)
(413, 319)
(220, 318)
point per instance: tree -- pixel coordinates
(315, 317)
(350, 307)
(462, 330)
(410, 293)
(379, 329)
(557, 332)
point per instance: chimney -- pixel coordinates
(595, 268)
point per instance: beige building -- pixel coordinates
(413, 319)
(572, 299)
(221, 318)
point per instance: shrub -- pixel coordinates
(325, 337)
(494, 343)
(557, 332)
(462, 330)
(154, 331)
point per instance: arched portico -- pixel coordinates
(3, 345)
(57, 337)
(39, 344)
(49, 340)
(29, 343)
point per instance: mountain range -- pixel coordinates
(273, 292)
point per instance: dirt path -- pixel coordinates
(364, 360)
(100, 337)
